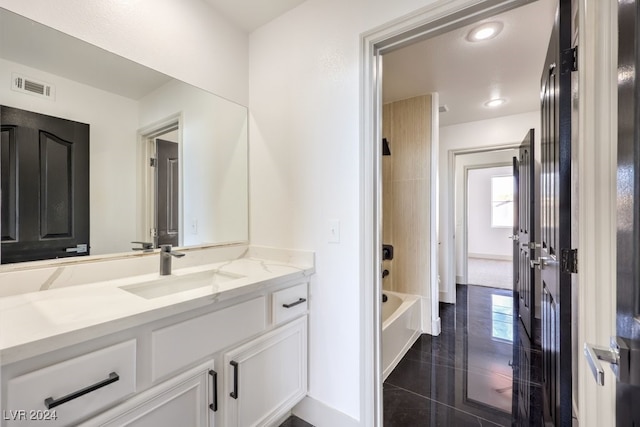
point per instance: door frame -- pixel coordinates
(146, 148)
(465, 215)
(597, 121)
(438, 18)
(449, 263)
(596, 171)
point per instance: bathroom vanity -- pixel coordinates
(107, 340)
(221, 343)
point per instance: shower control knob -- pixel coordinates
(387, 252)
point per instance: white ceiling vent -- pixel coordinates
(24, 84)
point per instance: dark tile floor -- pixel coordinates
(294, 421)
(481, 371)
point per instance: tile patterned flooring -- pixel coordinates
(481, 371)
(294, 421)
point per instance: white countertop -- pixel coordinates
(36, 322)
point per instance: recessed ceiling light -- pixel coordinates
(495, 102)
(485, 31)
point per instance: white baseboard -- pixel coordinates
(321, 415)
(436, 326)
(448, 297)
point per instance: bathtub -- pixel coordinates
(401, 315)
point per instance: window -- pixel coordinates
(502, 317)
(502, 201)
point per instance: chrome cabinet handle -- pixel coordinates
(50, 402)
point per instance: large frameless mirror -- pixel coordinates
(167, 162)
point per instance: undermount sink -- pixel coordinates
(168, 285)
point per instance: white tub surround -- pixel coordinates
(37, 322)
(401, 320)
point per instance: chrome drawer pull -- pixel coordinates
(293, 304)
(50, 402)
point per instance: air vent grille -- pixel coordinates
(24, 84)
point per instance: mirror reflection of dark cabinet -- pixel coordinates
(45, 186)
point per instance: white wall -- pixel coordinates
(486, 241)
(185, 39)
(113, 122)
(305, 168)
(508, 130)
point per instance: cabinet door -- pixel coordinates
(267, 376)
(186, 400)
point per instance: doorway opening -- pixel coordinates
(484, 219)
(160, 183)
(485, 135)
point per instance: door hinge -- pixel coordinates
(569, 261)
(569, 60)
(153, 162)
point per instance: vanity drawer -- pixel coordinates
(73, 389)
(289, 303)
(177, 346)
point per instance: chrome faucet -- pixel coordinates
(146, 246)
(165, 259)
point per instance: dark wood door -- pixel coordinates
(45, 186)
(168, 188)
(524, 244)
(628, 212)
(516, 228)
(555, 196)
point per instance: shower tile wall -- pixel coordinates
(405, 193)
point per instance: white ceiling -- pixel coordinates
(251, 14)
(466, 74)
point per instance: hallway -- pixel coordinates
(467, 375)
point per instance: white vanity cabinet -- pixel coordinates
(188, 399)
(266, 376)
(240, 361)
(63, 393)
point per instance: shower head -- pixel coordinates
(385, 147)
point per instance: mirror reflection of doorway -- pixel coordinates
(162, 186)
(167, 172)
